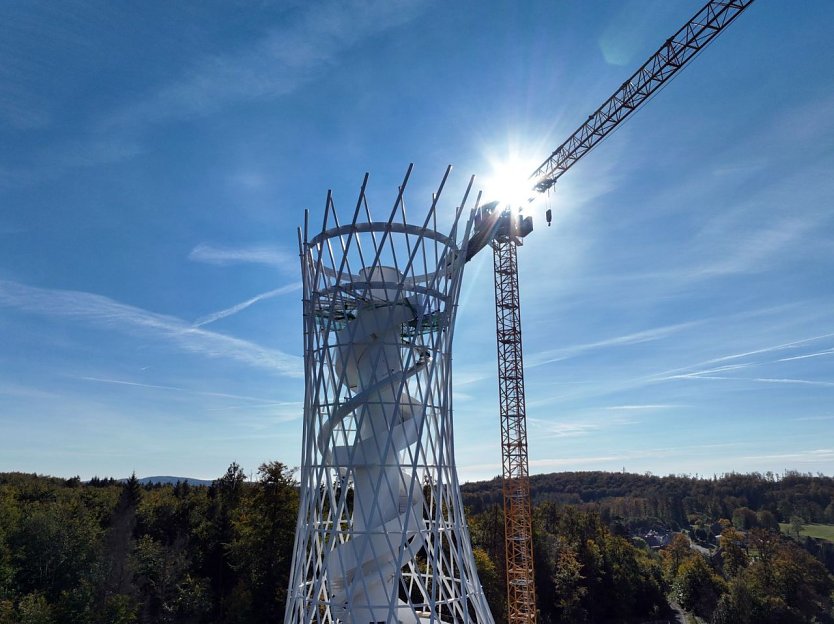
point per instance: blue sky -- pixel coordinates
(156, 159)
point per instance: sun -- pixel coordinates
(509, 181)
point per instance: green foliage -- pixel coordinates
(131, 491)
(487, 534)
(784, 584)
(9, 520)
(796, 525)
(697, 587)
(766, 520)
(120, 553)
(120, 609)
(261, 550)
(817, 531)
(492, 581)
(55, 545)
(745, 518)
(675, 554)
(34, 609)
(586, 573)
(107, 552)
(7, 614)
(674, 499)
(750, 578)
(733, 552)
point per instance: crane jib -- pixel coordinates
(672, 56)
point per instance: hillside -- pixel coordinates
(675, 500)
(615, 548)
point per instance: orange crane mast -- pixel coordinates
(504, 229)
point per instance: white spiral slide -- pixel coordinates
(387, 508)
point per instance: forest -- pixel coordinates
(609, 547)
(719, 552)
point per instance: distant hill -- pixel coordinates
(166, 480)
(674, 499)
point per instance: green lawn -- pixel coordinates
(824, 531)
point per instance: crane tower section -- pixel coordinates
(521, 595)
(504, 230)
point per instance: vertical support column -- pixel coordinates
(518, 533)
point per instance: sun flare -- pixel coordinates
(509, 181)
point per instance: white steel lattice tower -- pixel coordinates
(381, 535)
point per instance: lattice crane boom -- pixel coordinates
(663, 65)
(504, 229)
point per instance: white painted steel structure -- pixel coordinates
(381, 535)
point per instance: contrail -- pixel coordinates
(216, 316)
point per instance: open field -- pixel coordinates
(823, 531)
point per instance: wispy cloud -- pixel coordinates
(263, 418)
(705, 369)
(724, 248)
(250, 412)
(308, 41)
(548, 429)
(657, 456)
(807, 355)
(221, 314)
(562, 462)
(473, 374)
(724, 368)
(649, 335)
(255, 254)
(288, 56)
(105, 313)
(744, 249)
(617, 408)
(809, 456)
(264, 412)
(21, 106)
(770, 349)
(21, 109)
(804, 382)
(811, 418)
(15, 390)
(768, 380)
(136, 384)
(707, 372)
(89, 152)
(541, 428)
(797, 129)
(53, 161)
(637, 454)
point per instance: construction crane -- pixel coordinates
(504, 228)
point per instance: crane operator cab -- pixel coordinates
(491, 223)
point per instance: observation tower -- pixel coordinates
(381, 536)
